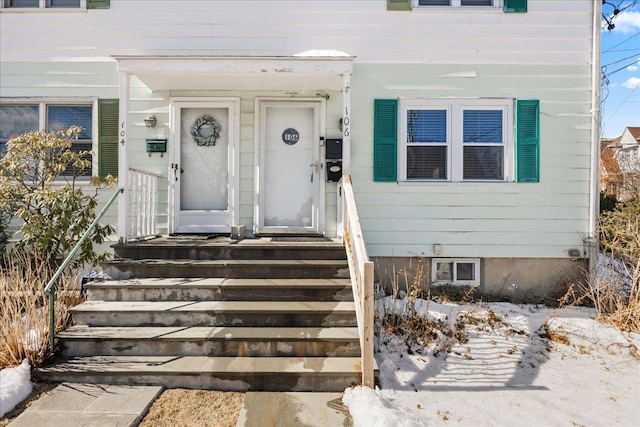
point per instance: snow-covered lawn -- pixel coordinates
(511, 372)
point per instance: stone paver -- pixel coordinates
(291, 409)
(89, 405)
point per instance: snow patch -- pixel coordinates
(15, 386)
(323, 53)
(370, 408)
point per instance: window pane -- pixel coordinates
(476, 2)
(17, 119)
(465, 271)
(483, 162)
(426, 162)
(482, 126)
(65, 116)
(65, 3)
(426, 126)
(24, 3)
(434, 2)
(444, 271)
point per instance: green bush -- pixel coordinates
(54, 211)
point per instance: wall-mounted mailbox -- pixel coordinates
(333, 149)
(333, 154)
(156, 145)
(334, 170)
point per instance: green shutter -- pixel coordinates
(528, 140)
(385, 140)
(108, 137)
(98, 4)
(398, 4)
(517, 6)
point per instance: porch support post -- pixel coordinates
(123, 160)
(346, 123)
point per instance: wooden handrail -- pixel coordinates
(361, 272)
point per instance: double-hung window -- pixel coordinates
(455, 140)
(20, 118)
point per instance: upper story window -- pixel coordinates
(17, 119)
(459, 3)
(456, 140)
(43, 3)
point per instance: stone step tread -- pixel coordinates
(199, 365)
(212, 307)
(210, 333)
(218, 282)
(230, 262)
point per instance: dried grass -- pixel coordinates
(24, 313)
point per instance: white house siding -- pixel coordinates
(544, 54)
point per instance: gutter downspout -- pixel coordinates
(591, 241)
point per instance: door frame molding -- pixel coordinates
(259, 155)
(233, 104)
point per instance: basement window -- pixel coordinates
(455, 271)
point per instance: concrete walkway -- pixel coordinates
(94, 405)
(89, 405)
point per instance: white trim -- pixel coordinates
(123, 159)
(476, 271)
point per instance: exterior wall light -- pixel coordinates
(150, 121)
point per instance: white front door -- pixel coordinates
(290, 174)
(203, 165)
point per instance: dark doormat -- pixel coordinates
(295, 239)
(194, 236)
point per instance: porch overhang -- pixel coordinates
(289, 73)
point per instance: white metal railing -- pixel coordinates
(142, 189)
(361, 271)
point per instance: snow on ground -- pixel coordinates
(512, 371)
(15, 386)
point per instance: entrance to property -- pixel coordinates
(203, 163)
(290, 176)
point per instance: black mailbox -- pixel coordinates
(333, 149)
(333, 154)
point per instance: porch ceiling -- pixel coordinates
(237, 73)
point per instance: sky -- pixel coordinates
(621, 68)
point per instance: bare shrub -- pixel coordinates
(24, 313)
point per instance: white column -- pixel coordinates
(346, 122)
(123, 160)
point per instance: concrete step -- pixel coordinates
(223, 248)
(220, 289)
(210, 341)
(232, 269)
(215, 313)
(222, 373)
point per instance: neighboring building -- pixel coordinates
(620, 165)
(469, 127)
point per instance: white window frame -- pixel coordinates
(42, 104)
(415, 4)
(42, 4)
(476, 270)
(455, 108)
